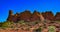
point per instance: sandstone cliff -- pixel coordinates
(57, 16)
(28, 16)
(35, 16)
(48, 15)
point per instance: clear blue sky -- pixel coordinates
(21, 5)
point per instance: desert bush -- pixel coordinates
(51, 29)
(33, 22)
(7, 24)
(38, 30)
(1, 24)
(21, 22)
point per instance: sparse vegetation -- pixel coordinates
(26, 25)
(38, 30)
(32, 23)
(21, 22)
(51, 29)
(6, 24)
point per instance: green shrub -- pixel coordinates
(38, 30)
(51, 29)
(21, 22)
(7, 24)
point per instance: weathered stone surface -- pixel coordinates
(28, 16)
(48, 15)
(25, 16)
(10, 16)
(35, 16)
(57, 16)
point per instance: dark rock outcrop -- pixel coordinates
(34, 16)
(10, 16)
(48, 15)
(25, 15)
(57, 16)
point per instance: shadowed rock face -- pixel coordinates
(28, 16)
(48, 15)
(25, 16)
(10, 16)
(35, 16)
(41, 17)
(57, 16)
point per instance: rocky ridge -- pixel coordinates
(28, 16)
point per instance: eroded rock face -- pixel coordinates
(10, 16)
(48, 15)
(35, 16)
(57, 16)
(28, 16)
(25, 16)
(41, 17)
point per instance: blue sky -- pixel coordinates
(21, 5)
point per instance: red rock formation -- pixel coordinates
(28, 16)
(41, 17)
(35, 16)
(48, 15)
(15, 18)
(10, 17)
(57, 16)
(25, 15)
